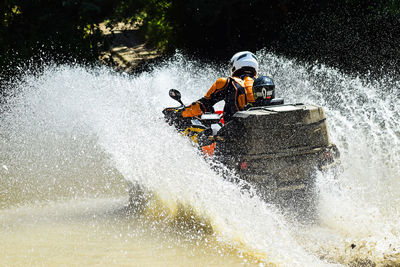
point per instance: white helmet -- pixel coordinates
(243, 60)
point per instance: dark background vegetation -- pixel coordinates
(356, 36)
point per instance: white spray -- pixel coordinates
(117, 119)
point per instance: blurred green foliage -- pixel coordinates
(355, 35)
(150, 15)
(345, 33)
(60, 30)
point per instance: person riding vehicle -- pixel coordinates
(236, 90)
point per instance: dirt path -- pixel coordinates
(128, 49)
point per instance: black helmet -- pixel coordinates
(263, 88)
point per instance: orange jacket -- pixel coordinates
(236, 93)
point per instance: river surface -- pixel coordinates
(72, 137)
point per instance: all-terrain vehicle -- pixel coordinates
(275, 147)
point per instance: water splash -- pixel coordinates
(363, 120)
(101, 125)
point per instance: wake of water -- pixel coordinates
(72, 124)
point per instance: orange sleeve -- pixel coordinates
(197, 108)
(217, 86)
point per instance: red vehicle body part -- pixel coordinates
(219, 112)
(209, 150)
